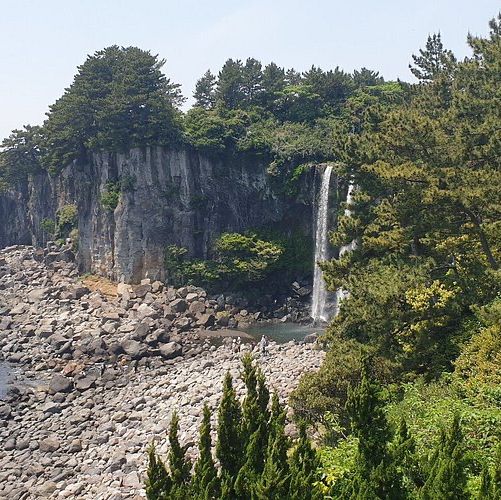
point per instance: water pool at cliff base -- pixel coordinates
(282, 332)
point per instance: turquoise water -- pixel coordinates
(282, 332)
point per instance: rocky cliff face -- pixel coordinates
(170, 197)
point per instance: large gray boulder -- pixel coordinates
(134, 349)
(60, 383)
(171, 350)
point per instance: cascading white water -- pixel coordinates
(319, 297)
(340, 293)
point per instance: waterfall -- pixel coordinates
(340, 293)
(319, 298)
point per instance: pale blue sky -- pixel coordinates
(42, 41)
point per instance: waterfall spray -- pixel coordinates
(319, 298)
(340, 293)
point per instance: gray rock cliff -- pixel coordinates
(172, 196)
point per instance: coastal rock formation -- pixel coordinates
(165, 196)
(97, 370)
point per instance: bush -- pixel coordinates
(322, 395)
(49, 226)
(110, 196)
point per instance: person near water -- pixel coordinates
(263, 344)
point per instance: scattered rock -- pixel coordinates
(60, 383)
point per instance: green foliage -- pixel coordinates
(118, 99)
(158, 482)
(229, 446)
(178, 465)
(205, 482)
(426, 209)
(20, 156)
(239, 260)
(480, 359)
(66, 221)
(304, 464)
(257, 461)
(110, 196)
(447, 479)
(321, 396)
(49, 226)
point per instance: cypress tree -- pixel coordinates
(205, 483)
(496, 475)
(179, 466)
(447, 478)
(303, 469)
(486, 487)
(255, 427)
(229, 450)
(274, 482)
(158, 481)
(376, 473)
(251, 410)
(404, 456)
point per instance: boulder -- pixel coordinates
(142, 290)
(145, 311)
(57, 340)
(5, 411)
(183, 323)
(48, 445)
(178, 305)
(36, 295)
(311, 338)
(190, 297)
(171, 350)
(122, 289)
(206, 320)
(60, 383)
(133, 348)
(197, 307)
(140, 332)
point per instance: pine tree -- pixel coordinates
(204, 91)
(158, 482)
(303, 469)
(433, 60)
(252, 76)
(229, 89)
(229, 448)
(179, 466)
(205, 483)
(447, 476)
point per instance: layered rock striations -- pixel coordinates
(167, 196)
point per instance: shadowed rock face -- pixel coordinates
(170, 197)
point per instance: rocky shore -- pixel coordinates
(98, 369)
